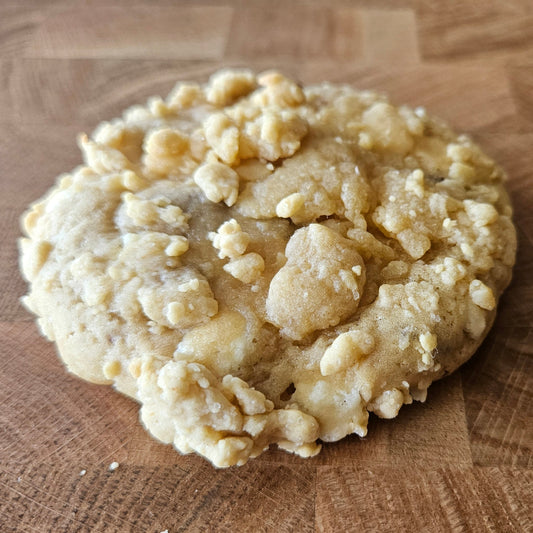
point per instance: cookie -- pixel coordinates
(257, 262)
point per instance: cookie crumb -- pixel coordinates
(230, 240)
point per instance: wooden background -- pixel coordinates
(461, 462)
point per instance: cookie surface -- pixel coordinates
(256, 262)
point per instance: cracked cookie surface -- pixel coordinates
(256, 262)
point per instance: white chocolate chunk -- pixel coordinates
(482, 295)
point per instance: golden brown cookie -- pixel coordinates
(256, 262)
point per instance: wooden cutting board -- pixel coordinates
(460, 462)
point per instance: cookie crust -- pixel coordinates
(256, 262)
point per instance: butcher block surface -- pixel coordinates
(460, 462)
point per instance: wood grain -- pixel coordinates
(477, 29)
(468, 499)
(180, 32)
(460, 462)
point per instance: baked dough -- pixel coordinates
(256, 262)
